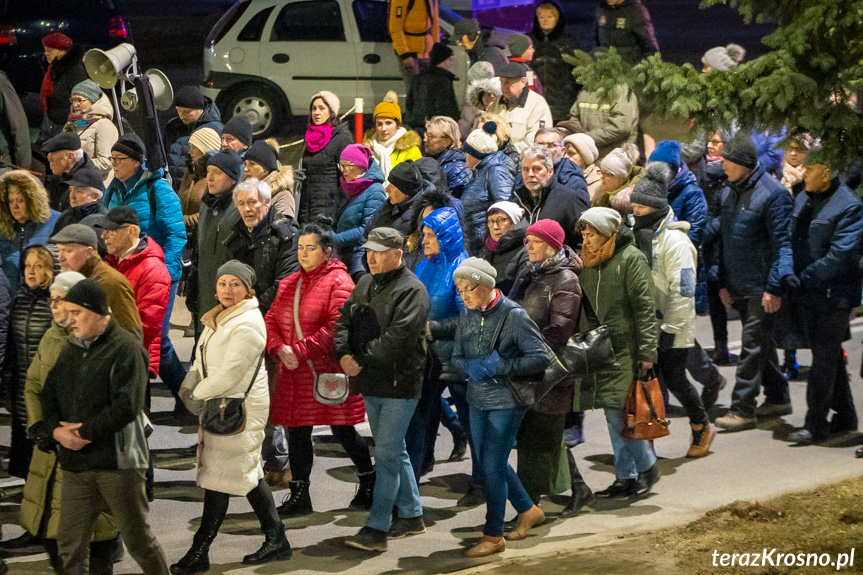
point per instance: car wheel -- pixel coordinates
(261, 105)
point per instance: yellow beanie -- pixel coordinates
(389, 108)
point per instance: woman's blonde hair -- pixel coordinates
(35, 198)
(503, 128)
(448, 127)
(46, 258)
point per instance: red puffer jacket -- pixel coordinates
(145, 269)
(322, 293)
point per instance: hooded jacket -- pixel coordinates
(177, 136)
(628, 28)
(435, 273)
(473, 104)
(559, 88)
(610, 124)
(322, 176)
(509, 257)
(492, 182)
(452, 162)
(165, 224)
(146, 272)
(353, 215)
(490, 47)
(689, 204)
(98, 137)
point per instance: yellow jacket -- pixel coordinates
(414, 26)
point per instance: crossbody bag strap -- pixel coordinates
(297, 327)
(497, 331)
(589, 313)
(254, 375)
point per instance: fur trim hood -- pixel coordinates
(35, 197)
(409, 140)
(281, 180)
(486, 85)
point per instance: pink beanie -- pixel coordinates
(359, 155)
(548, 231)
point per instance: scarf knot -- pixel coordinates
(317, 137)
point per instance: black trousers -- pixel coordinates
(672, 365)
(828, 386)
(301, 451)
(718, 313)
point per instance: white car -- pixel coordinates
(266, 58)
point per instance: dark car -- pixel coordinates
(23, 24)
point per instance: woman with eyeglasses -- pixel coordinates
(92, 118)
(504, 244)
(362, 194)
(442, 141)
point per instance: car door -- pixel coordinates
(378, 66)
(308, 51)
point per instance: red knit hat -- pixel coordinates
(548, 231)
(57, 41)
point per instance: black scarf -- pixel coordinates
(645, 227)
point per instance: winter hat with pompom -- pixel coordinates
(618, 162)
(652, 189)
(724, 58)
(482, 142)
(389, 108)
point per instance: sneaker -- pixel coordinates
(802, 437)
(734, 422)
(702, 437)
(619, 489)
(573, 436)
(368, 539)
(768, 410)
(646, 480)
(474, 496)
(405, 527)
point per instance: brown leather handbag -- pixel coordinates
(645, 410)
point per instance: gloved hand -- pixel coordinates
(791, 282)
(477, 371)
(41, 436)
(490, 363)
(666, 341)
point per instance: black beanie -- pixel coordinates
(439, 53)
(89, 295)
(229, 162)
(407, 178)
(190, 97)
(652, 189)
(741, 152)
(240, 128)
(264, 155)
(131, 145)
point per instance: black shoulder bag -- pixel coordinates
(589, 352)
(227, 415)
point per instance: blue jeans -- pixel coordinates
(493, 437)
(394, 477)
(458, 392)
(170, 368)
(631, 456)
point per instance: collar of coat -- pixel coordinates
(220, 315)
(520, 101)
(386, 278)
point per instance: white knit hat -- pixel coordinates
(481, 70)
(585, 145)
(617, 162)
(481, 142)
(513, 210)
(206, 140)
(63, 282)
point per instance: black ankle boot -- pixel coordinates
(196, 560)
(299, 502)
(581, 496)
(275, 547)
(365, 492)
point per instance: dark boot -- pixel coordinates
(791, 369)
(298, 503)
(275, 547)
(196, 561)
(365, 492)
(581, 493)
(459, 447)
(720, 355)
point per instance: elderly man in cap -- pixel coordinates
(93, 402)
(65, 158)
(85, 198)
(380, 340)
(76, 251)
(194, 111)
(142, 263)
(482, 44)
(525, 110)
(755, 269)
(237, 134)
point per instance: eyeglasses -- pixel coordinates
(498, 222)
(533, 243)
(464, 292)
(346, 166)
(551, 145)
(78, 100)
(57, 300)
(118, 159)
(429, 136)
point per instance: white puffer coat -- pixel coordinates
(230, 346)
(98, 138)
(673, 267)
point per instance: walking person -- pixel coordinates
(496, 339)
(380, 342)
(300, 327)
(228, 364)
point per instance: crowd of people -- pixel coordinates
(408, 281)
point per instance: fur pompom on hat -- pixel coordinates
(482, 142)
(724, 58)
(389, 108)
(652, 189)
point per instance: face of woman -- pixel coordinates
(255, 170)
(431, 245)
(80, 104)
(715, 145)
(350, 170)
(310, 253)
(17, 205)
(230, 290)
(58, 310)
(572, 153)
(610, 182)
(435, 143)
(537, 250)
(592, 239)
(473, 295)
(52, 54)
(395, 195)
(320, 113)
(795, 154)
(35, 273)
(195, 153)
(547, 18)
(498, 225)
(385, 128)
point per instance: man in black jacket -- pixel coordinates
(432, 93)
(86, 190)
(625, 25)
(262, 239)
(65, 159)
(380, 340)
(93, 405)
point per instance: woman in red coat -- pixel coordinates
(325, 286)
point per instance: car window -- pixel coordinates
(56, 8)
(254, 28)
(372, 20)
(311, 21)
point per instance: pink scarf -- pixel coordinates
(491, 244)
(355, 188)
(317, 137)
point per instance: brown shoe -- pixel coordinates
(525, 522)
(486, 546)
(702, 437)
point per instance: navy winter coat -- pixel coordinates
(825, 235)
(689, 204)
(354, 216)
(436, 275)
(755, 241)
(456, 171)
(177, 136)
(492, 182)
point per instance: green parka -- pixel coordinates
(621, 293)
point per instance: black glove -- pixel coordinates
(666, 341)
(791, 282)
(42, 437)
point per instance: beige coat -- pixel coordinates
(229, 347)
(98, 138)
(593, 177)
(524, 121)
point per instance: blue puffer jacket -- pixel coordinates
(436, 274)
(492, 182)
(755, 241)
(456, 171)
(27, 234)
(177, 136)
(825, 236)
(355, 216)
(521, 348)
(167, 228)
(689, 204)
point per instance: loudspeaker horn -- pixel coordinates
(163, 93)
(106, 66)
